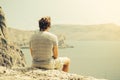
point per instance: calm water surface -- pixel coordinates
(100, 59)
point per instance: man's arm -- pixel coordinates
(55, 52)
(31, 51)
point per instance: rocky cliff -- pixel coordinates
(39, 74)
(10, 54)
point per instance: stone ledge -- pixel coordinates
(39, 74)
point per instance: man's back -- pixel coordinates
(44, 48)
(42, 44)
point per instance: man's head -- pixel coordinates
(44, 23)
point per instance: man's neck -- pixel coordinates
(47, 30)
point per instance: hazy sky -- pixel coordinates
(24, 14)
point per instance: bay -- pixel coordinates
(100, 59)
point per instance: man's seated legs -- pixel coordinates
(62, 63)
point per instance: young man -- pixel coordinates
(44, 48)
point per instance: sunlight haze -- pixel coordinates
(24, 14)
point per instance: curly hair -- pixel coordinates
(44, 23)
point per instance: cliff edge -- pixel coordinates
(39, 74)
(10, 54)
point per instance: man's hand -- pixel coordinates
(55, 52)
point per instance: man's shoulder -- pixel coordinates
(34, 36)
(43, 34)
(51, 34)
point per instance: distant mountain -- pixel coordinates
(107, 32)
(19, 36)
(22, 37)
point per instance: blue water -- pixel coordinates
(100, 59)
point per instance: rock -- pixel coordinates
(3, 32)
(10, 54)
(61, 41)
(29, 73)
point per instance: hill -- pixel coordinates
(107, 32)
(104, 32)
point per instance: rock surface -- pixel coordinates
(10, 54)
(39, 74)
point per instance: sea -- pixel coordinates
(99, 59)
